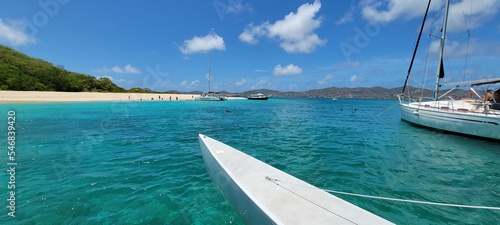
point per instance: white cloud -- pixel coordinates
(236, 6)
(120, 81)
(162, 85)
(261, 84)
(389, 10)
(240, 82)
(479, 12)
(116, 69)
(109, 77)
(251, 32)
(383, 11)
(348, 17)
(355, 79)
(295, 31)
(459, 49)
(230, 7)
(326, 78)
(289, 69)
(353, 64)
(190, 85)
(129, 69)
(455, 48)
(13, 33)
(469, 71)
(203, 44)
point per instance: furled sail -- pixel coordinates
(441, 69)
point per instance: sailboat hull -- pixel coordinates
(453, 119)
(207, 98)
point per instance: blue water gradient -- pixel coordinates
(140, 162)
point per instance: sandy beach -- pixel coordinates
(46, 96)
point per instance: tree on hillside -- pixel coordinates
(20, 72)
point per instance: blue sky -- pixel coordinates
(281, 45)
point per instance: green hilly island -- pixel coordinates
(19, 72)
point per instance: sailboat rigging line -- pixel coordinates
(416, 47)
(426, 66)
(385, 110)
(474, 91)
(209, 62)
(421, 84)
(421, 92)
(276, 181)
(466, 54)
(451, 89)
(468, 36)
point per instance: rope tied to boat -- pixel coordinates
(274, 180)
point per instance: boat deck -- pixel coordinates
(262, 194)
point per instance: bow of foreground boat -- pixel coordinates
(262, 194)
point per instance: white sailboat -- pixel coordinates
(478, 117)
(210, 96)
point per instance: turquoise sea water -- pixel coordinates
(140, 162)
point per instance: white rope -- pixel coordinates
(386, 110)
(393, 199)
(275, 181)
(415, 201)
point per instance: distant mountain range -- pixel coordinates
(335, 92)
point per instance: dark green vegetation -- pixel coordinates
(19, 72)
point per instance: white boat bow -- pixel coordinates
(262, 194)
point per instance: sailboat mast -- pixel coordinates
(440, 69)
(209, 61)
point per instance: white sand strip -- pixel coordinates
(46, 96)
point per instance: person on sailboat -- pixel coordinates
(488, 96)
(496, 99)
(491, 96)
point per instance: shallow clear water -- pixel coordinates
(140, 162)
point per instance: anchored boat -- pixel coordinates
(262, 194)
(258, 96)
(475, 116)
(210, 96)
